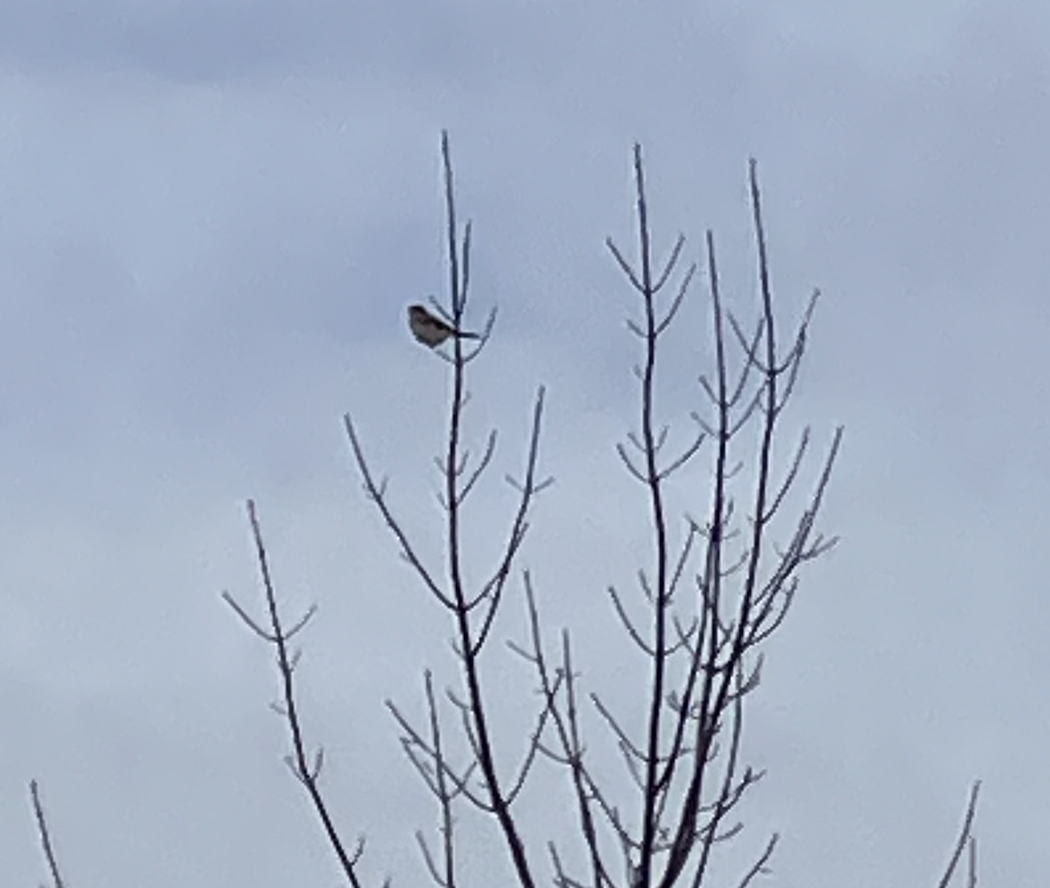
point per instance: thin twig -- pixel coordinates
(45, 836)
(960, 843)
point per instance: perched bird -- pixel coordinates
(430, 330)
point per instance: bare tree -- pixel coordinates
(719, 583)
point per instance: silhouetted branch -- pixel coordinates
(306, 771)
(473, 611)
(45, 835)
(965, 838)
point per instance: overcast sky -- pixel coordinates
(212, 216)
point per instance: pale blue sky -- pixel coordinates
(213, 215)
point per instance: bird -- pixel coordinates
(430, 330)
